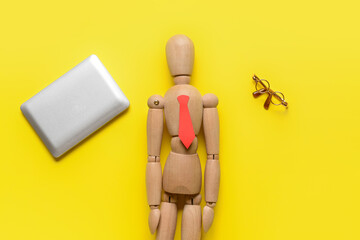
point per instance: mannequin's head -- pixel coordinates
(180, 57)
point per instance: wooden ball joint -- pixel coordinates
(185, 110)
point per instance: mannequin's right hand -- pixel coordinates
(154, 219)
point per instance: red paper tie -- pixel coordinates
(186, 130)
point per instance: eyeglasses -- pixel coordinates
(263, 86)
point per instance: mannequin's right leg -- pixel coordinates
(191, 219)
(168, 217)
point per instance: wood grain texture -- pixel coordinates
(191, 222)
(210, 100)
(180, 55)
(212, 180)
(208, 218)
(181, 79)
(167, 225)
(155, 127)
(154, 219)
(211, 130)
(153, 183)
(182, 174)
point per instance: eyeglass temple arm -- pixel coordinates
(257, 79)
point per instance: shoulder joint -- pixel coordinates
(156, 101)
(210, 100)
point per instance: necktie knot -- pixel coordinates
(183, 99)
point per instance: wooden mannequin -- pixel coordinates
(182, 171)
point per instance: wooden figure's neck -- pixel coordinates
(181, 79)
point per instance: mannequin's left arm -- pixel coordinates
(212, 169)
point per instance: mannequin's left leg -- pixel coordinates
(191, 219)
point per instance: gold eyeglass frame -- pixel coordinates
(265, 88)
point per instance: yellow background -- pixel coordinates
(286, 174)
